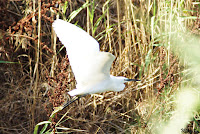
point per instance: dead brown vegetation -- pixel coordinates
(41, 74)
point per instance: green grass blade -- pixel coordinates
(39, 124)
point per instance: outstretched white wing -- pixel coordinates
(87, 62)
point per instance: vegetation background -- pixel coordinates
(156, 41)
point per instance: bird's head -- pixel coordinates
(118, 82)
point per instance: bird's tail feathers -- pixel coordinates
(74, 92)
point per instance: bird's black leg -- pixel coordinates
(57, 109)
(72, 100)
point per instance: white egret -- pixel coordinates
(91, 67)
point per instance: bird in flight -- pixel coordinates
(90, 66)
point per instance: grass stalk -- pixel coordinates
(119, 34)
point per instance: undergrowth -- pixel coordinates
(36, 74)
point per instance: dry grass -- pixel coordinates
(138, 33)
